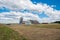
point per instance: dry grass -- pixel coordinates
(53, 26)
(7, 33)
(39, 31)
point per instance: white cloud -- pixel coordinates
(13, 17)
(23, 4)
(27, 4)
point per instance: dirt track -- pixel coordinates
(35, 33)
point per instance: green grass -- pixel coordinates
(9, 34)
(29, 32)
(54, 26)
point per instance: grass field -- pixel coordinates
(9, 34)
(37, 31)
(54, 26)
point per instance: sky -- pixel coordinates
(49, 2)
(40, 10)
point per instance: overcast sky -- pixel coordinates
(40, 10)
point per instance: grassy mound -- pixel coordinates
(9, 34)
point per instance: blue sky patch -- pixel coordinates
(49, 2)
(3, 9)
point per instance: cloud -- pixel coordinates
(14, 17)
(23, 4)
(18, 5)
